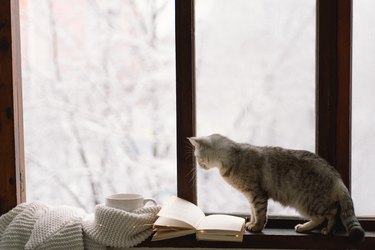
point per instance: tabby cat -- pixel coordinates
(295, 178)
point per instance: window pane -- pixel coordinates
(255, 82)
(363, 107)
(99, 99)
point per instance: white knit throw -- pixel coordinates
(18, 224)
(118, 228)
(58, 228)
(37, 226)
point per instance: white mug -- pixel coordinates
(127, 202)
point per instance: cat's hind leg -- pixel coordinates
(310, 225)
(328, 229)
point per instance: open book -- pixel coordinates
(179, 217)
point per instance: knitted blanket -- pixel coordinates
(38, 226)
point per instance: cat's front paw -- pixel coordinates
(299, 228)
(254, 227)
(325, 231)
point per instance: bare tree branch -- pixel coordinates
(62, 182)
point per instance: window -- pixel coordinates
(102, 95)
(264, 59)
(332, 89)
(333, 134)
(363, 139)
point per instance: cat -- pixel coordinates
(294, 178)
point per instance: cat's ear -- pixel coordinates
(194, 141)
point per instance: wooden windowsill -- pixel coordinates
(272, 238)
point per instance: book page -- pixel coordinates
(179, 209)
(221, 222)
(168, 222)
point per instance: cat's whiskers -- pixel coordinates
(189, 150)
(192, 174)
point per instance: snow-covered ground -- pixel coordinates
(99, 94)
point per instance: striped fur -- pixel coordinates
(295, 178)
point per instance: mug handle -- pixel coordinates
(149, 200)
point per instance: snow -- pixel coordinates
(99, 94)
(363, 108)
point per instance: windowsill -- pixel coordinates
(272, 238)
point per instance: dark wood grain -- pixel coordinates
(279, 234)
(333, 86)
(12, 188)
(344, 71)
(272, 239)
(185, 98)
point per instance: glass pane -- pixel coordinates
(255, 82)
(99, 99)
(363, 107)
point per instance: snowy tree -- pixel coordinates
(98, 79)
(255, 81)
(99, 93)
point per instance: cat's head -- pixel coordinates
(210, 151)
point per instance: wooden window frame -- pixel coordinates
(333, 88)
(333, 116)
(12, 166)
(333, 123)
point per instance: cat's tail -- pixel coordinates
(348, 218)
